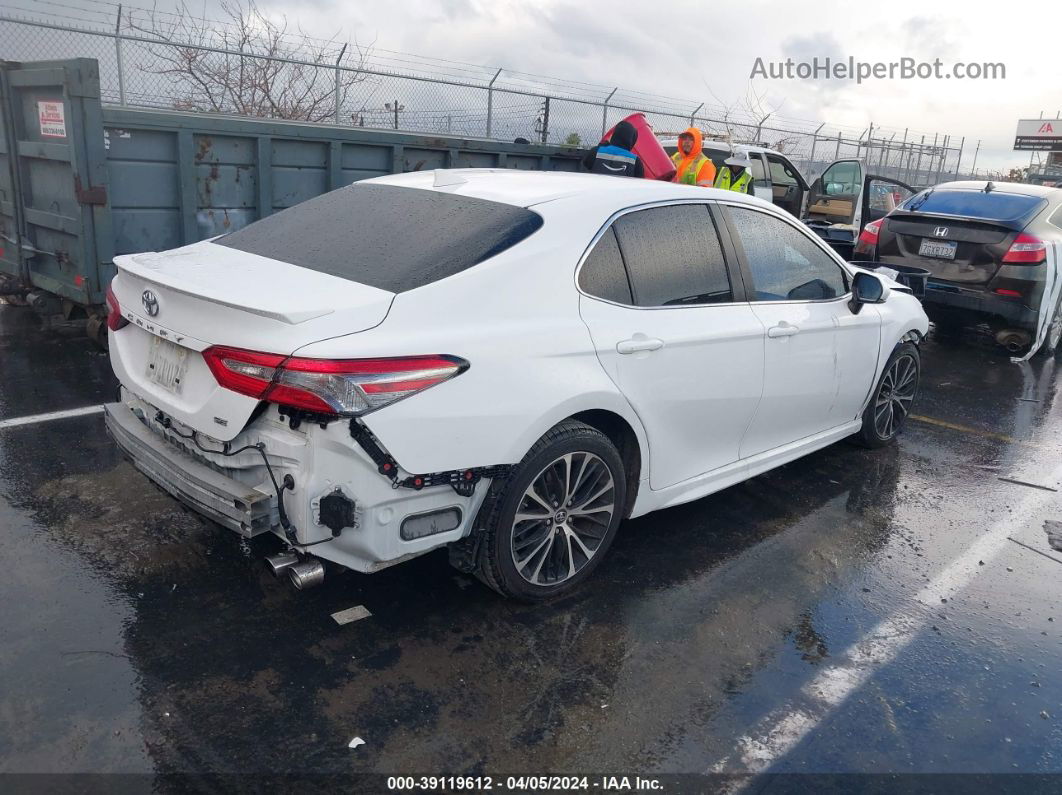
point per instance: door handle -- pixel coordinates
(783, 329)
(639, 343)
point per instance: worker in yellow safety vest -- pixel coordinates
(691, 166)
(735, 174)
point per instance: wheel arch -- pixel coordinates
(622, 435)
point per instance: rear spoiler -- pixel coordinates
(908, 215)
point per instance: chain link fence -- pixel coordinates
(383, 89)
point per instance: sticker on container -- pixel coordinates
(52, 117)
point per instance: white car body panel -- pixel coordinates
(708, 356)
(539, 352)
(819, 377)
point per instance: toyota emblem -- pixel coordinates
(941, 231)
(151, 302)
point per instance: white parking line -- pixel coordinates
(781, 730)
(52, 415)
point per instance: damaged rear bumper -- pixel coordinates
(228, 502)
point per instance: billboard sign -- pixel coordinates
(1042, 134)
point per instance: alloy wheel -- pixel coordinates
(895, 395)
(1054, 331)
(562, 518)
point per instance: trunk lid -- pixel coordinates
(979, 246)
(180, 302)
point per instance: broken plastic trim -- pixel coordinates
(463, 481)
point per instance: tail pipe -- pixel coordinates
(278, 564)
(303, 573)
(1015, 340)
(307, 574)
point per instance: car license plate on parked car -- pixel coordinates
(166, 364)
(942, 249)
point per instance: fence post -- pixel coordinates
(918, 165)
(837, 151)
(903, 151)
(490, 102)
(604, 111)
(814, 142)
(943, 156)
(118, 55)
(694, 114)
(545, 120)
(958, 160)
(973, 168)
(340, 58)
(886, 146)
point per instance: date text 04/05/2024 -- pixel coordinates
(522, 783)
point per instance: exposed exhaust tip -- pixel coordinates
(278, 564)
(307, 574)
(1014, 340)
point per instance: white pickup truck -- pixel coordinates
(836, 205)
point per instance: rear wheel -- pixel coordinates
(556, 517)
(887, 412)
(1054, 333)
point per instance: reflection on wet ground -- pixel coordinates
(138, 637)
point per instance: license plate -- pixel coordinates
(941, 249)
(166, 364)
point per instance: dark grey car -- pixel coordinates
(986, 246)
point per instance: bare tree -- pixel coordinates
(788, 144)
(743, 120)
(757, 109)
(254, 66)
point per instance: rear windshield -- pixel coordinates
(992, 206)
(393, 238)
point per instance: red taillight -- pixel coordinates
(1007, 293)
(870, 233)
(246, 372)
(1026, 250)
(328, 386)
(115, 320)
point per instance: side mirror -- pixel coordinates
(866, 289)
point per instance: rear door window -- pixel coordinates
(785, 264)
(717, 156)
(603, 274)
(385, 236)
(673, 256)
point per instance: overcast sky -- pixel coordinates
(706, 50)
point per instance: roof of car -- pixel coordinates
(523, 188)
(1002, 187)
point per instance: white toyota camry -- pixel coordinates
(509, 363)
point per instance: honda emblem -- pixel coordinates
(941, 231)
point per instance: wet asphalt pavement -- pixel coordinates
(727, 635)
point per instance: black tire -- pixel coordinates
(1054, 334)
(592, 455)
(876, 433)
